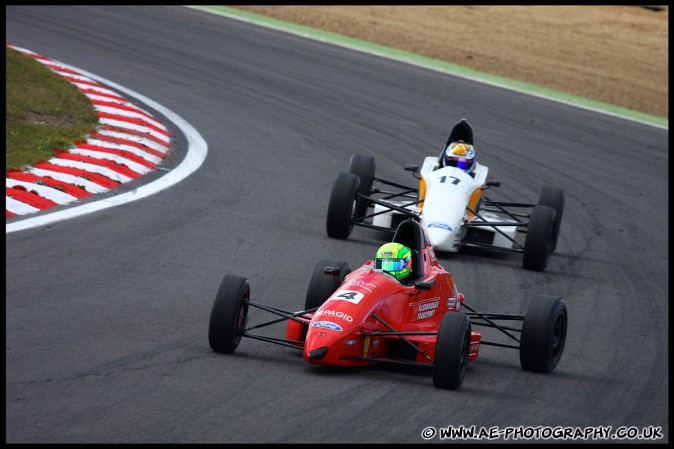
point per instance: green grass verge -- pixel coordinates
(43, 112)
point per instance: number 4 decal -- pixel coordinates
(348, 295)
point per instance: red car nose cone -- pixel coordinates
(319, 353)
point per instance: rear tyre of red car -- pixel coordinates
(342, 206)
(363, 167)
(539, 242)
(322, 285)
(543, 333)
(451, 351)
(229, 314)
(553, 197)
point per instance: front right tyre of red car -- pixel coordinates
(543, 333)
(451, 351)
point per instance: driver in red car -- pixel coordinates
(395, 259)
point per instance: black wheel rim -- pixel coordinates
(463, 361)
(354, 210)
(558, 335)
(242, 318)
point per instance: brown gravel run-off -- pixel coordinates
(613, 54)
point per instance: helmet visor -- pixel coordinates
(392, 265)
(458, 162)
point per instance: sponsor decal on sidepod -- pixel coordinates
(426, 309)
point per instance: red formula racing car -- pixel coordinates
(362, 317)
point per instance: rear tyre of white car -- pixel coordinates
(363, 167)
(553, 197)
(229, 314)
(451, 351)
(342, 206)
(543, 333)
(322, 285)
(539, 239)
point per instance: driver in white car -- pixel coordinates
(459, 150)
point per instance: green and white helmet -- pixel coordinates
(395, 259)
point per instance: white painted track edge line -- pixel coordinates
(197, 149)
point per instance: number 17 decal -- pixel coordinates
(444, 178)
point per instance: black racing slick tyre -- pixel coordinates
(451, 351)
(342, 206)
(539, 239)
(363, 167)
(323, 284)
(229, 314)
(543, 333)
(553, 197)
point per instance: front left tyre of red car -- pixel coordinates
(229, 314)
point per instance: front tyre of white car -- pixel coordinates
(342, 206)
(553, 197)
(364, 167)
(539, 241)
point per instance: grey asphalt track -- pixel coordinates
(107, 314)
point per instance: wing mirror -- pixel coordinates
(331, 270)
(421, 285)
